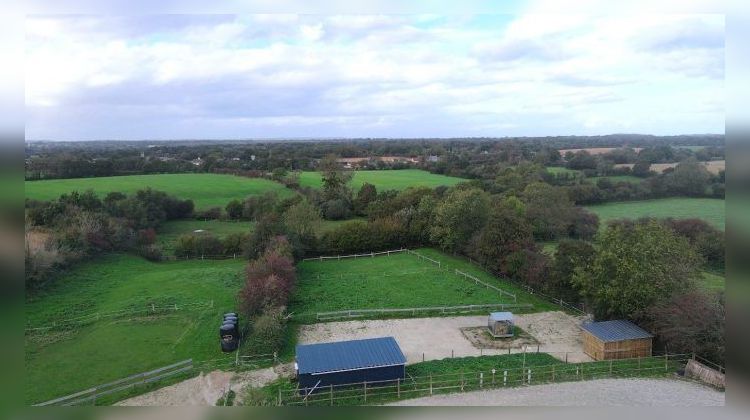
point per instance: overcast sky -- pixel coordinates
(274, 76)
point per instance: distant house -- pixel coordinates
(197, 162)
(618, 339)
(433, 158)
(377, 361)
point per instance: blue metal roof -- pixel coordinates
(616, 330)
(349, 355)
(501, 316)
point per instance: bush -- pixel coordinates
(336, 209)
(150, 252)
(195, 246)
(269, 330)
(213, 213)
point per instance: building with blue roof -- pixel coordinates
(616, 339)
(373, 360)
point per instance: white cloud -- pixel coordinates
(376, 75)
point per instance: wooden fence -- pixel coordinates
(90, 395)
(413, 387)
(357, 313)
(67, 323)
(363, 255)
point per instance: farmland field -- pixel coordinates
(555, 170)
(396, 281)
(708, 209)
(109, 346)
(206, 190)
(618, 178)
(387, 179)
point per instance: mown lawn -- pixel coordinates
(711, 210)
(60, 361)
(387, 179)
(396, 281)
(713, 281)
(206, 190)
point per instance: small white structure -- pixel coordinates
(500, 324)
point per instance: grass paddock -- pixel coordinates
(387, 179)
(711, 210)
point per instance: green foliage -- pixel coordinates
(457, 217)
(234, 209)
(636, 266)
(548, 209)
(197, 246)
(689, 178)
(570, 256)
(366, 194)
(335, 180)
(302, 219)
(269, 331)
(506, 232)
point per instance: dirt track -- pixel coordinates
(204, 389)
(603, 392)
(437, 338)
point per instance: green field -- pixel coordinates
(708, 209)
(169, 231)
(562, 170)
(206, 190)
(713, 281)
(618, 178)
(396, 281)
(60, 361)
(387, 179)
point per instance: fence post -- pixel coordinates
(639, 364)
(528, 378)
(398, 387)
(279, 400)
(481, 380)
(493, 377)
(610, 367)
(451, 353)
(462, 381)
(330, 392)
(430, 384)
(365, 384)
(553, 373)
(505, 377)
(423, 356)
(666, 360)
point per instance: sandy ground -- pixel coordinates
(602, 392)
(437, 338)
(713, 166)
(203, 390)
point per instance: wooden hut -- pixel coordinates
(618, 339)
(500, 324)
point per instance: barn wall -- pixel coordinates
(387, 373)
(592, 346)
(627, 349)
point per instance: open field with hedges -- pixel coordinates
(206, 190)
(104, 327)
(387, 179)
(617, 178)
(711, 210)
(397, 281)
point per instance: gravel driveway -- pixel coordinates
(557, 332)
(602, 392)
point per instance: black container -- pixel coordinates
(232, 319)
(229, 338)
(234, 314)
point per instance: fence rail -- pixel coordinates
(412, 387)
(97, 316)
(477, 281)
(91, 394)
(356, 313)
(366, 254)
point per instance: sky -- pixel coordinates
(320, 76)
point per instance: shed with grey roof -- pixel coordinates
(500, 324)
(616, 339)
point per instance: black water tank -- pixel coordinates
(229, 338)
(233, 319)
(234, 314)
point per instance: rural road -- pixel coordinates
(602, 392)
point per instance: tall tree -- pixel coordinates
(461, 213)
(635, 266)
(335, 179)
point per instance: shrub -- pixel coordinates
(336, 209)
(151, 252)
(269, 329)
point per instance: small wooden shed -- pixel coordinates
(617, 339)
(500, 324)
